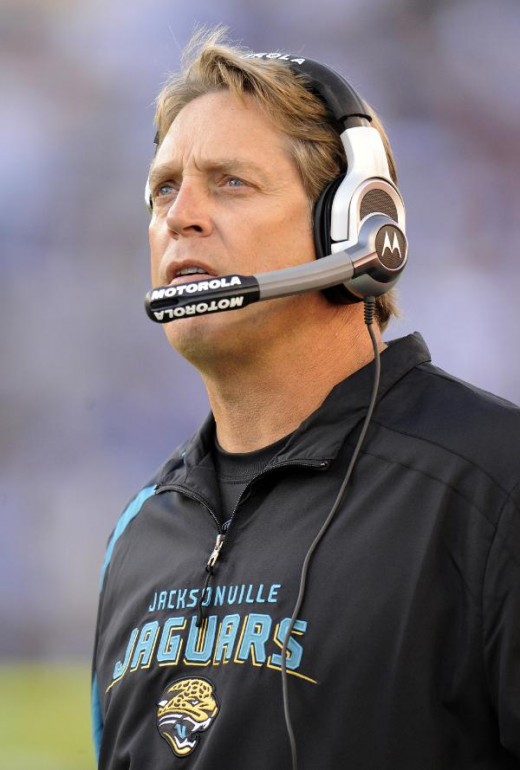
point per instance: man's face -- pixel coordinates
(227, 198)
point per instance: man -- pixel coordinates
(403, 648)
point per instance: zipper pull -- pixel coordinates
(215, 553)
(201, 610)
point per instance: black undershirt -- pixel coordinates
(235, 470)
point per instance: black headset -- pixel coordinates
(363, 189)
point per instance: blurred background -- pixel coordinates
(92, 398)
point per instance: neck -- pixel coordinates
(257, 402)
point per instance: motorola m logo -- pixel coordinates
(391, 246)
(394, 246)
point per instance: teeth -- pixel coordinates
(191, 271)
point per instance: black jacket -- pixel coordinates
(406, 653)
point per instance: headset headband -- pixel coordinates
(345, 105)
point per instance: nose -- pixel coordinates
(189, 214)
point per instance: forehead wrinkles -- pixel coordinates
(220, 132)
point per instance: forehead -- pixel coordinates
(221, 125)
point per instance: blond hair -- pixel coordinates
(210, 63)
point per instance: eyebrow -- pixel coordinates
(225, 166)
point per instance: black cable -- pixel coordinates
(369, 319)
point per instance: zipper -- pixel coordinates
(219, 542)
(223, 529)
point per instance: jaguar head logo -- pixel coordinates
(187, 708)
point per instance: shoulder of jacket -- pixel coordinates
(460, 419)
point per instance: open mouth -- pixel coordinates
(189, 273)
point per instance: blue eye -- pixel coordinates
(164, 189)
(235, 182)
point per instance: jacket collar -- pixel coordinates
(321, 435)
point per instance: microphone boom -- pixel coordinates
(366, 257)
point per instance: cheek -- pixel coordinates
(287, 237)
(297, 239)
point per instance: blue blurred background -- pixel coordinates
(92, 397)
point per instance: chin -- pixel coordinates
(206, 338)
(240, 336)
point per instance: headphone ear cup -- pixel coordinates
(322, 214)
